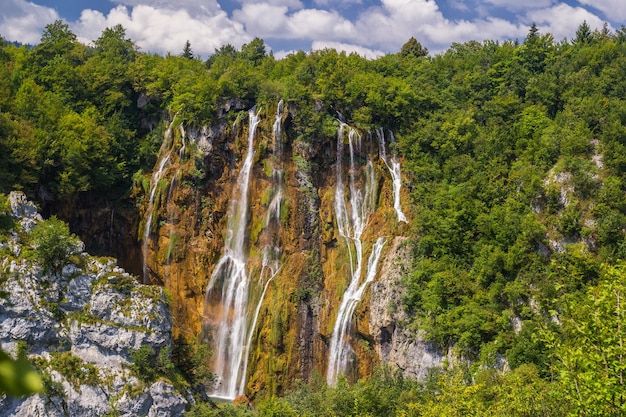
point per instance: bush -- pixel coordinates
(53, 243)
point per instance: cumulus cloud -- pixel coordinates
(562, 20)
(162, 31)
(24, 21)
(520, 6)
(344, 3)
(614, 9)
(291, 4)
(383, 25)
(263, 20)
(192, 6)
(268, 21)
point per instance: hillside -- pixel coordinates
(455, 220)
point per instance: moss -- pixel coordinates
(267, 196)
(74, 369)
(268, 168)
(173, 247)
(284, 211)
(258, 224)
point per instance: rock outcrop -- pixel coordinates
(190, 200)
(398, 346)
(80, 325)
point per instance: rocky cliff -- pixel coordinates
(80, 324)
(307, 257)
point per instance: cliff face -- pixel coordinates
(80, 325)
(302, 250)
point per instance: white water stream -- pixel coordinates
(272, 251)
(352, 216)
(393, 164)
(154, 182)
(230, 273)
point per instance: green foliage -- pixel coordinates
(6, 220)
(589, 349)
(17, 377)
(413, 48)
(74, 369)
(208, 409)
(53, 244)
(149, 365)
(192, 359)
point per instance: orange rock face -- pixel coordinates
(295, 320)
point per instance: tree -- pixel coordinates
(413, 48)
(53, 243)
(583, 34)
(254, 51)
(57, 40)
(533, 34)
(591, 353)
(187, 52)
(107, 73)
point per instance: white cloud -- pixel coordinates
(24, 21)
(194, 7)
(520, 6)
(562, 20)
(291, 4)
(161, 30)
(268, 21)
(613, 9)
(162, 26)
(320, 25)
(348, 48)
(389, 26)
(263, 20)
(337, 4)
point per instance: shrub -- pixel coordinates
(53, 243)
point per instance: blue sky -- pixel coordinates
(368, 27)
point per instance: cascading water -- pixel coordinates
(393, 164)
(230, 275)
(181, 151)
(271, 264)
(351, 221)
(272, 250)
(154, 182)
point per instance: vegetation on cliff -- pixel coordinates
(514, 155)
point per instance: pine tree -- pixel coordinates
(187, 52)
(583, 34)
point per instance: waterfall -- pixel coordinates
(272, 250)
(230, 273)
(154, 181)
(270, 262)
(352, 218)
(181, 151)
(393, 164)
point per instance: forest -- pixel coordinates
(514, 155)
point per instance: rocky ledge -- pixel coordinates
(82, 325)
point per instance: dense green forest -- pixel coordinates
(515, 158)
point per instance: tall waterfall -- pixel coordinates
(393, 164)
(270, 235)
(231, 277)
(352, 216)
(154, 182)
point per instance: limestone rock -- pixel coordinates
(397, 346)
(81, 326)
